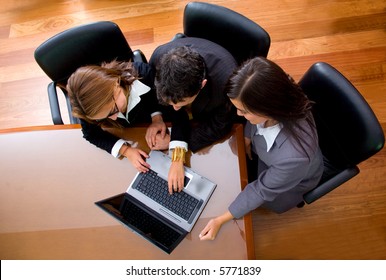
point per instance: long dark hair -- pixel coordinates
(265, 89)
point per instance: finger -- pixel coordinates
(181, 185)
(140, 168)
(148, 137)
(163, 132)
(170, 185)
(203, 234)
(143, 162)
(144, 165)
(142, 153)
(154, 140)
(175, 186)
(156, 147)
(148, 141)
(207, 236)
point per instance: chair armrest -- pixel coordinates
(139, 56)
(54, 104)
(178, 36)
(330, 184)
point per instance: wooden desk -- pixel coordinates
(51, 177)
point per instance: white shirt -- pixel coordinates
(269, 133)
(137, 89)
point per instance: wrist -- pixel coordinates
(157, 118)
(227, 216)
(178, 154)
(123, 150)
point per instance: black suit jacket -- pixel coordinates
(212, 111)
(139, 114)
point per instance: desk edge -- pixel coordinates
(239, 128)
(41, 127)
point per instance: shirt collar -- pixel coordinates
(269, 133)
(137, 89)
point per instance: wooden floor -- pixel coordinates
(350, 222)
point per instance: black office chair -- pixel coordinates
(348, 130)
(242, 37)
(89, 44)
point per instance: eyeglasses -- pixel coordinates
(115, 110)
(112, 113)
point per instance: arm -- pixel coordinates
(279, 178)
(176, 174)
(178, 142)
(107, 141)
(214, 225)
(98, 137)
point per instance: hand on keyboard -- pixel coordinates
(181, 203)
(176, 177)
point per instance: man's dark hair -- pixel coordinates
(179, 75)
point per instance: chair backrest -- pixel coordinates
(242, 37)
(87, 44)
(348, 129)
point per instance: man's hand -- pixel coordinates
(156, 127)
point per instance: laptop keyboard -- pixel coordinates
(153, 186)
(149, 225)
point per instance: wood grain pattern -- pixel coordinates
(350, 222)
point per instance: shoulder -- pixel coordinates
(303, 142)
(141, 67)
(207, 49)
(194, 42)
(210, 50)
(145, 72)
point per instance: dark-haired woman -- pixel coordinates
(281, 132)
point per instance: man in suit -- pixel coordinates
(191, 76)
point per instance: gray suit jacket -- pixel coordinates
(284, 173)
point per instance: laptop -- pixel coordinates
(149, 210)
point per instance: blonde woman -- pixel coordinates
(115, 94)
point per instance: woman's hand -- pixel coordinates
(214, 225)
(137, 158)
(176, 177)
(157, 127)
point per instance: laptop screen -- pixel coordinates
(144, 221)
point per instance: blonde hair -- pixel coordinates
(92, 87)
